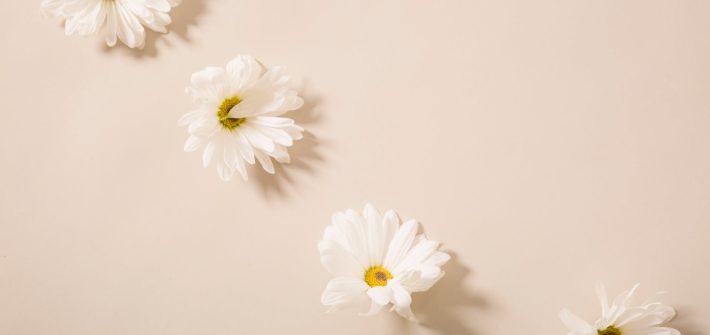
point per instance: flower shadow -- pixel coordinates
(184, 16)
(305, 153)
(441, 308)
(685, 323)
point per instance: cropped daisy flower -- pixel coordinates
(622, 317)
(112, 19)
(375, 260)
(238, 116)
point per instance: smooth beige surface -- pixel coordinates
(550, 144)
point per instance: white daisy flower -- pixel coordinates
(238, 116)
(623, 317)
(376, 260)
(112, 19)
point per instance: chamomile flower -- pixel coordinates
(238, 116)
(623, 317)
(112, 19)
(376, 260)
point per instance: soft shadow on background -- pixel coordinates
(305, 153)
(184, 16)
(684, 322)
(445, 306)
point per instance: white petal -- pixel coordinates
(603, 299)
(110, 30)
(204, 127)
(209, 85)
(421, 251)
(293, 102)
(230, 153)
(273, 121)
(151, 13)
(390, 221)
(208, 154)
(400, 244)
(295, 132)
(402, 301)
(333, 232)
(661, 331)
(646, 317)
(280, 154)
(130, 31)
(662, 313)
(245, 148)
(574, 323)
(257, 139)
(83, 18)
(338, 261)
(160, 5)
(277, 135)
(624, 299)
(193, 143)
(375, 235)
(424, 280)
(273, 79)
(342, 290)
(243, 71)
(374, 308)
(52, 7)
(249, 107)
(439, 258)
(224, 172)
(191, 117)
(265, 161)
(406, 312)
(112, 20)
(241, 167)
(351, 235)
(269, 96)
(401, 297)
(371, 214)
(282, 103)
(619, 307)
(381, 295)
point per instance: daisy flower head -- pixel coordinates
(238, 116)
(623, 317)
(112, 20)
(377, 261)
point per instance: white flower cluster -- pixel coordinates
(112, 20)
(375, 260)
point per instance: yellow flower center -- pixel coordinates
(377, 276)
(611, 330)
(223, 114)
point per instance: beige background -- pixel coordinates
(550, 144)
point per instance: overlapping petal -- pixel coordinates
(356, 242)
(623, 315)
(112, 20)
(249, 93)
